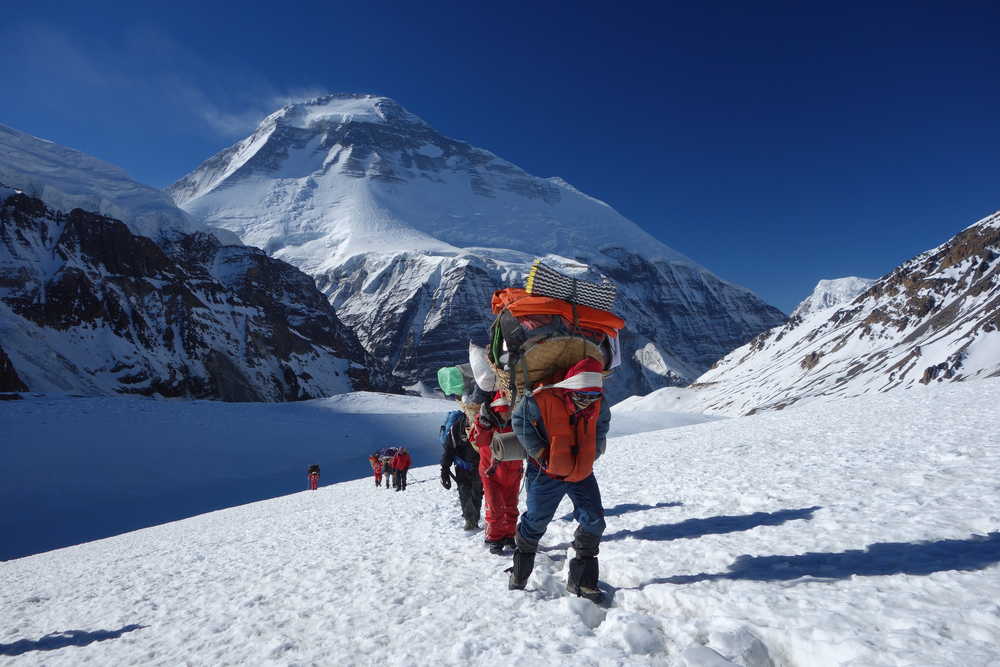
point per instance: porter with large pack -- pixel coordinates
(551, 346)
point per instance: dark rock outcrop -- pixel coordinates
(88, 306)
(9, 380)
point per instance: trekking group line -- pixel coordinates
(531, 407)
(393, 463)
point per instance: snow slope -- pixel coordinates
(92, 467)
(863, 533)
(934, 318)
(408, 232)
(68, 179)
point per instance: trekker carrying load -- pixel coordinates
(564, 431)
(501, 479)
(458, 451)
(376, 465)
(552, 344)
(401, 464)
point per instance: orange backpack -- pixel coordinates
(571, 432)
(572, 436)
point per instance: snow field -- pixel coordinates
(864, 532)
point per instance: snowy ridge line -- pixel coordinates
(67, 179)
(889, 555)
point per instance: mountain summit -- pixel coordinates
(336, 166)
(832, 293)
(408, 232)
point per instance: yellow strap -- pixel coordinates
(529, 283)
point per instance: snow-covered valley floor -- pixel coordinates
(862, 532)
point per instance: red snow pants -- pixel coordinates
(500, 492)
(313, 481)
(501, 483)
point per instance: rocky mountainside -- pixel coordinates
(87, 306)
(934, 318)
(408, 232)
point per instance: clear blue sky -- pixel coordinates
(776, 143)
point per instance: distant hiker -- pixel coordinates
(501, 479)
(401, 464)
(387, 470)
(376, 465)
(563, 427)
(385, 458)
(458, 451)
(313, 475)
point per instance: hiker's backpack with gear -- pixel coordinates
(550, 350)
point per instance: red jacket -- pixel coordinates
(401, 461)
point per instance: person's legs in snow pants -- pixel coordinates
(543, 496)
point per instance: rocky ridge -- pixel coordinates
(935, 318)
(87, 306)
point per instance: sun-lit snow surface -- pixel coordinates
(68, 179)
(860, 533)
(88, 468)
(832, 293)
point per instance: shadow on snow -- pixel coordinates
(715, 525)
(57, 640)
(625, 508)
(882, 559)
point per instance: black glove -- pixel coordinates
(445, 477)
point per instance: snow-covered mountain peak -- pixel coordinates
(408, 232)
(344, 167)
(338, 108)
(66, 179)
(832, 293)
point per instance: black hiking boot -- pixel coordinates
(509, 542)
(524, 563)
(496, 548)
(582, 580)
(471, 525)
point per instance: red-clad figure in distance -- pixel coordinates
(401, 464)
(501, 479)
(313, 475)
(376, 465)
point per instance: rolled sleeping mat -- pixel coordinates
(545, 281)
(506, 447)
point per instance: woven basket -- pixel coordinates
(552, 356)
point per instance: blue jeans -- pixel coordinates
(543, 497)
